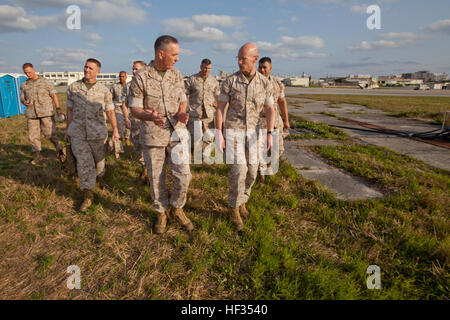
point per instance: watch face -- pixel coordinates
(60, 118)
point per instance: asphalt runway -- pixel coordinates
(376, 92)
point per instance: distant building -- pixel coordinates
(296, 82)
(67, 78)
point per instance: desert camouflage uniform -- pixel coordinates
(88, 129)
(149, 90)
(202, 95)
(246, 102)
(40, 113)
(116, 91)
(135, 126)
(277, 93)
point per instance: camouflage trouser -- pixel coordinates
(47, 124)
(124, 132)
(135, 136)
(240, 180)
(278, 125)
(90, 155)
(207, 139)
(156, 159)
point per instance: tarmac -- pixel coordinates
(343, 184)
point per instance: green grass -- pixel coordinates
(300, 242)
(429, 108)
(314, 130)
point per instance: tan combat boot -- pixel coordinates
(36, 158)
(161, 223)
(243, 211)
(236, 218)
(87, 202)
(179, 215)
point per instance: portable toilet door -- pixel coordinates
(8, 93)
(19, 81)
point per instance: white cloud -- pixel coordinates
(14, 19)
(442, 26)
(303, 42)
(186, 52)
(64, 58)
(224, 47)
(389, 40)
(201, 27)
(359, 8)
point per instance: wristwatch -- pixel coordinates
(269, 131)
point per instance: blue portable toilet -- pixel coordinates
(8, 97)
(19, 81)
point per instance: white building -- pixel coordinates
(296, 82)
(67, 78)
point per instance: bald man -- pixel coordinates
(248, 93)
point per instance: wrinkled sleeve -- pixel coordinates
(181, 88)
(136, 93)
(123, 96)
(22, 94)
(51, 89)
(282, 88)
(216, 89)
(69, 102)
(225, 90)
(188, 86)
(109, 105)
(269, 97)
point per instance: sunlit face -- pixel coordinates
(205, 70)
(265, 69)
(91, 70)
(123, 77)
(246, 62)
(30, 73)
(136, 67)
(169, 56)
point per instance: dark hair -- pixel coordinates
(265, 59)
(122, 72)
(140, 62)
(27, 65)
(99, 65)
(206, 61)
(163, 41)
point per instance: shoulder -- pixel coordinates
(75, 85)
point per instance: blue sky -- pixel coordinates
(318, 37)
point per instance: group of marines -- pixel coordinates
(153, 110)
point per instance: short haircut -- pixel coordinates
(142, 63)
(99, 65)
(27, 65)
(206, 61)
(163, 41)
(265, 59)
(122, 72)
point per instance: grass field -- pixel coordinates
(423, 108)
(299, 242)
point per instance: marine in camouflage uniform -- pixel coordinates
(87, 103)
(38, 95)
(158, 99)
(202, 90)
(116, 91)
(248, 93)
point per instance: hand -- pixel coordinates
(127, 123)
(221, 141)
(287, 125)
(27, 103)
(59, 112)
(182, 117)
(67, 138)
(269, 141)
(115, 135)
(157, 119)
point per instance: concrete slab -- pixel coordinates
(433, 155)
(344, 185)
